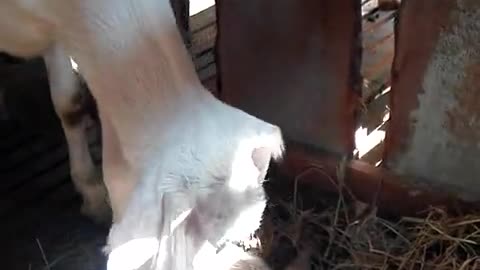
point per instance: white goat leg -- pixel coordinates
(66, 96)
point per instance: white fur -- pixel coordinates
(231, 257)
(169, 146)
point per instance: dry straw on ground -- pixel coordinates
(336, 234)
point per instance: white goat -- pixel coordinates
(183, 170)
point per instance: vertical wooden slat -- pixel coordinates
(181, 9)
(293, 63)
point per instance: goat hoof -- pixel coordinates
(100, 212)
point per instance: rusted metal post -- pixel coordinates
(294, 63)
(365, 182)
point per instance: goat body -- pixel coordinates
(182, 169)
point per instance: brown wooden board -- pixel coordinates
(182, 14)
(295, 64)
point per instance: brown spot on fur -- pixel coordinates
(82, 104)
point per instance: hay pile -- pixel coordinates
(335, 234)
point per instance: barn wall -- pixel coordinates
(434, 134)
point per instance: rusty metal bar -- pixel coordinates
(295, 64)
(366, 183)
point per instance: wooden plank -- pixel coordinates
(295, 64)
